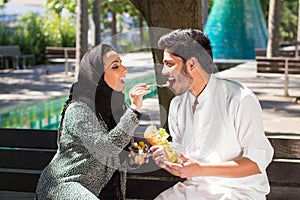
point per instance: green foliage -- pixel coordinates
(29, 35)
(58, 5)
(70, 5)
(5, 34)
(120, 7)
(289, 19)
(34, 33)
(126, 45)
(59, 31)
(2, 3)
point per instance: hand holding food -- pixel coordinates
(160, 137)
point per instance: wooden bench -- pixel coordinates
(282, 65)
(281, 53)
(25, 153)
(284, 171)
(65, 55)
(13, 52)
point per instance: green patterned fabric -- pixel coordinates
(236, 28)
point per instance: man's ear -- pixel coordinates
(192, 63)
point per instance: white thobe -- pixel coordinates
(227, 125)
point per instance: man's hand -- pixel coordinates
(186, 169)
(159, 156)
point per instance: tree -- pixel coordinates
(298, 29)
(204, 11)
(2, 3)
(82, 31)
(97, 20)
(273, 28)
(172, 14)
(116, 8)
(288, 19)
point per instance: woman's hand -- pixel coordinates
(136, 96)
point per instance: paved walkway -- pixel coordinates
(280, 114)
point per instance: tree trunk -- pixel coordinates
(273, 28)
(171, 14)
(204, 11)
(97, 21)
(298, 32)
(82, 32)
(141, 20)
(114, 29)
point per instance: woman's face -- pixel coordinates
(114, 71)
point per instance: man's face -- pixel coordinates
(173, 70)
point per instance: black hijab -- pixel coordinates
(92, 89)
(107, 104)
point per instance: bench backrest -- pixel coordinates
(60, 52)
(277, 65)
(25, 153)
(281, 53)
(284, 171)
(10, 50)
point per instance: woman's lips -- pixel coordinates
(122, 80)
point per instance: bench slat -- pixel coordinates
(25, 158)
(60, 52)
(18, 181)
(283, 53)
(286, 147)
(10, 50)
(285, 173)
(277, 65)
(28, 138)
(286, 193)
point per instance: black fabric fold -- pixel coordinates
(109, 104)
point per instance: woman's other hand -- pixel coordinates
(136, 96)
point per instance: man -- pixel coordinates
(215, 124)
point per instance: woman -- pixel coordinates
(96, 126)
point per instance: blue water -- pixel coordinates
(46, 114)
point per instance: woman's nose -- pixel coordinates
(125, 70)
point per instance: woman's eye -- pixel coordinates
(115, 67)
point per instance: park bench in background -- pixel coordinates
(13, 53)
(65, 55)
(282, 65)
(24, 153)
(281, 53)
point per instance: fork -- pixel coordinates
(158, 85)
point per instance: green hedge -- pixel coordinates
(33, 33)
